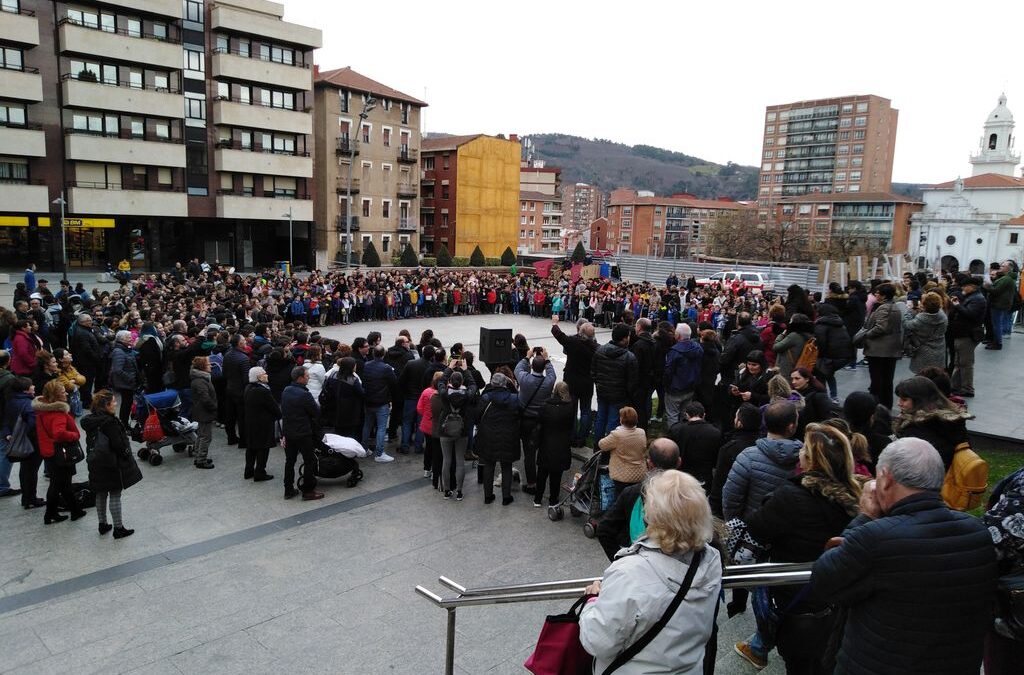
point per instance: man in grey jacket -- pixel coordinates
(536, 380)
(761, 468)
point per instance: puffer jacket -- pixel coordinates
(683, 366)
(579, 355)
(919, 583)
(967, 318)
(124, 369)
(835, 347)
(756, 473)
(636, 590)
(698, 442)
(534, 389)
(460, 400)
(944, 428)
(497, 425)
(924, 335)
(54, 424)
(856, 312)
(884, 336)
(204, 396)
(615, 373)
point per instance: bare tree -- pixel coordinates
(782, 242)
(732, 235)
(847, 242)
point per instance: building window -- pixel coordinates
(855, 175)
(385, 243)
(841, 176)
(768, 154)
(343, 97)
(862, 107)
(845, 122)
(194, 11)
(194, 60)
(366, 207)
(385, 208)
(366, 133)
(14, 171)
(1014, 236)
(847, 108)
(854, 188)
(770, 117)
(522, 220)
(858, 135)
(860, 121)
(627, 223)
(386, 136)
(11, 58)
(858, 149)
(244, 47)
(445, 193)
(770, 129)
(405, 113)
(844, 135)
(445, 162)
(12, 115)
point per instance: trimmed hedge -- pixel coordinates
(429, 262)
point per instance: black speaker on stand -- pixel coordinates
(496, 347)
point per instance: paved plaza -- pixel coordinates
(225, 576)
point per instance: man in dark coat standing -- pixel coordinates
(579, 354)
(300, 419)
(398, 356)
(643, 348)
(740, 343)
(918, 579)
(379, 384)
(698, 441)
(236, 376)
(409, 388)
(616, 378)
(86, 353)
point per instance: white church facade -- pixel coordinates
(968, 223)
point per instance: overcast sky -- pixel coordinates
(688, 76)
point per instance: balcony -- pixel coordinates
(426, 180)
(407, 225)
(143, 49)
(342, 223)
(28, 198)
(21, 28)
(407, 155)
(243, 207)
(22, 85)
(170, 8)
(254, 116)
(265, 163)
(342, 186)
(22, 141)
(228, 18)
(123, 98)
(236, 67)
(99, 199)
(347, 147)
(427, 205)
(406, 189)
(112, 149)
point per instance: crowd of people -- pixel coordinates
(733, 387)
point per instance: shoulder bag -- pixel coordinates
(20, 446)
(68, 453)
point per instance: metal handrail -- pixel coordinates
(735, 576)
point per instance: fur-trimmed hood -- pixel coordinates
(39, 405)
(820, 484)
(925, 417)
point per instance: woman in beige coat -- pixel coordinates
(627, 446)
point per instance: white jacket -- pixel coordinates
(637, 589)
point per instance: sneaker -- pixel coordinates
(537, 504)
(753, 658)
(427, 473)
(458, 496)
(447, 494)
(383, 458)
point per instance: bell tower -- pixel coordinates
(995, 151)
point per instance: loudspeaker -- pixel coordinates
(495, 345)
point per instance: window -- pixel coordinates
(14, 171)
(857, 161)
(847, 108)
(366, 207)
(385, 103)
(783, 128)
(522, 221)
(366, 133)
(405, 113)
(770, 129)
(135, 78)
(855, 175)
(862, 107)
(769, 141)
(10, 6)
(195, 108)
(766, 178)
(162, 129)
(845, 122)
(385, 208)
(11, 58)
(343, 97)
(133, 27)
(768, 154)
(843, 149)
(244, 47)
(12, 115)
(804, 209)
(222, 45)
(444, 162)
(159, 30)
(844, 135)
(854, 188)
(386, 136)
(444, 220)
(770, 117)
(627, 223)
(445, 194)
(858, 149)
(428, 163)
(780, 153)
(245, 140)
(244, 92)
(779, 166)
(109, 74)
(1014, 236)
(194, 11)
(282, 99)
(532, 220)
(194, 60)
(860, 121)
(138, 127)
(161, 81)
(385, 243)
(858, 135)
(841, 161)
(841, 176)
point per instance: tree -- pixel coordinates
(579, 254)
(370, 256)
(732, 235)
(783, 241)
(508, 257)
(444, 258)
(476, 258)
(409, 258)
(847, 242)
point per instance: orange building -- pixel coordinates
(540, 223)
(881, 218)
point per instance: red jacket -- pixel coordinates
(23, 353)
(54, 424)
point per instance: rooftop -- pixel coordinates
(539, 196)
(346, 78)
(692, 202)
(434, 143)
(982, 181)
(818, 197)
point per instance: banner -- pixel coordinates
(543, 268)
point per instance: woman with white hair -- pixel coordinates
(261, 415)
(124, 374)
(671, 572)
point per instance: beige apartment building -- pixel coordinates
(540, 223)
(832, 145)
(370, 152)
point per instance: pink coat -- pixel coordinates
(423, 408)
(23, 353)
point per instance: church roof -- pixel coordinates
(1000, 113)
(982, 181)
(1019, 220)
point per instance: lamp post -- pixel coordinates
(63, 237)
(291, 239)
(369, 104)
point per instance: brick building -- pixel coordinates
(540, 223)
(871, 220)
(582, 204)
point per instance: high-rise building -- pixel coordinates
(842, 144)
(470, 194)
(385, 173)
(172, 129)
(540, 223)
(583, 204)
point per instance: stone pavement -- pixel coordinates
(225, 576)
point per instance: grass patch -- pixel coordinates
(1001, 463)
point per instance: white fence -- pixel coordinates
(656, 270)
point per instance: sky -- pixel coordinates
(693, 77)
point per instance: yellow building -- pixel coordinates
(470, 194)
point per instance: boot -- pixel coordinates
(121, 532)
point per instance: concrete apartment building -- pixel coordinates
(470, 194)
(582, 204)
(641, 223)
(174, 129)
(832, 145)
(385, 176)
(540, 223)
(872, 221)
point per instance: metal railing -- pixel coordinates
(735, 576)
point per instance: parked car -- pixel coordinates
(758, 282)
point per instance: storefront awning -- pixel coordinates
(102, 223)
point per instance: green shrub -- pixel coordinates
(508, 257)
(444, 258)
(370, 256)
(493, 262)
(460, 261)
(429, 262)
(476, 259)
(409, 257)
(579, 254)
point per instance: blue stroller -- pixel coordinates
(179, 432)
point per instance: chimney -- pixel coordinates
(514, 138)
(316, 71)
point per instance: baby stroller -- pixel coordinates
(178, 431)
(336, 458)
(591, 493)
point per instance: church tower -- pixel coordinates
(995, 153)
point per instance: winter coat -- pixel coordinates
(708, 373)
(556, 419)
(757, 471)
(204, 396)
(497, 425)
(279, 373)
(410, 378)
(236, 371)
(643, 349)
(151, 361)
(856, 312)
(768, 335)
(579, 355)
(424, 408)
(835, 345)
(967, 318)
(70, 379)
(735, 443)
(628, 448)
(814, 406)
(615, 373)
(348, 405)
(460, 400)
(1002, 517)
(379, 383)
(790, 345)
(261, 415)
(317, 378)
(698, 442)
(884, 336)
(797, 520)
(398, 357)
(23, 353)
(54, 424)
(108, 454)
(124, 369)
(757, 385)
(636, 590)
(924, 336)
(919, 583)
(534, 389)
(944, 428)
(683, 366)
(300, 415)
(1001, 294)
(739, 344)
(86, 350)
(613, 529)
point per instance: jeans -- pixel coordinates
(1000, 321)
(5, 468)
(453, 450)
(586, 422)
(607, 419)
(410, 426)
(833, 388)
(376, 415)
(528, 431)
(293, 447)
(674, 404)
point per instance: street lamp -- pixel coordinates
(291, 240)
(369, 104)
(63, 238)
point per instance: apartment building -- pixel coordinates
(540, 223)
(832, 145)
(869, 221)
(470, 194)
(583, 204)
(641, 223)
(173, 129)
(597, 236)
(536, 176)
(367, 146)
